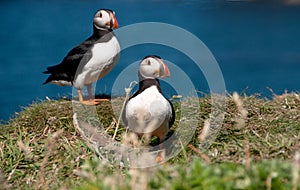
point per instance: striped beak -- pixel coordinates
(164, 70)
(113, 22)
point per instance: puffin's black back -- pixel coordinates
(77, 57)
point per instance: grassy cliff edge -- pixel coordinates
(257, 148)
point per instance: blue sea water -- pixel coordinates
(256, 43)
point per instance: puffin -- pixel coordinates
(148, 112)
(90, 60)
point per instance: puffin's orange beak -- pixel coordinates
(115, 23)
(164, 72)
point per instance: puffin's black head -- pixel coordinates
(153, 67)
(105, 19)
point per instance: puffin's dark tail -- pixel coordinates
(49, 79)
(53, 73)
(57, 76)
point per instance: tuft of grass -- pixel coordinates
(40, 149)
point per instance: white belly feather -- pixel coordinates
(104, 58)
(148, 111)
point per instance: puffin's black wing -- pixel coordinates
(66, 70)
(124, 119)
(172, 119)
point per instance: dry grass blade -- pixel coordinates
(127, 92)
(50, 145)
(296, 171)
(247, 154)
(241, 119)
(4, 185)
(241, 124)
(202, 155)
(205, 131)
(91, 135)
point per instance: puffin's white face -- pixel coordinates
(153, 67)
(105, 19)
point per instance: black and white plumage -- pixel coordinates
(91, 60)
(148, 112)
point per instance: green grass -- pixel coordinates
(40, 149)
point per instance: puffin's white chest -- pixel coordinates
(103, 59)
(148, 111)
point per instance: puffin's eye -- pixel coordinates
(148, 62)
(100, 15)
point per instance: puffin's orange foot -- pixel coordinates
(158, 158)
(101, 100)
(90, 102)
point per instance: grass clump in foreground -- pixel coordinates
(255, 149)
